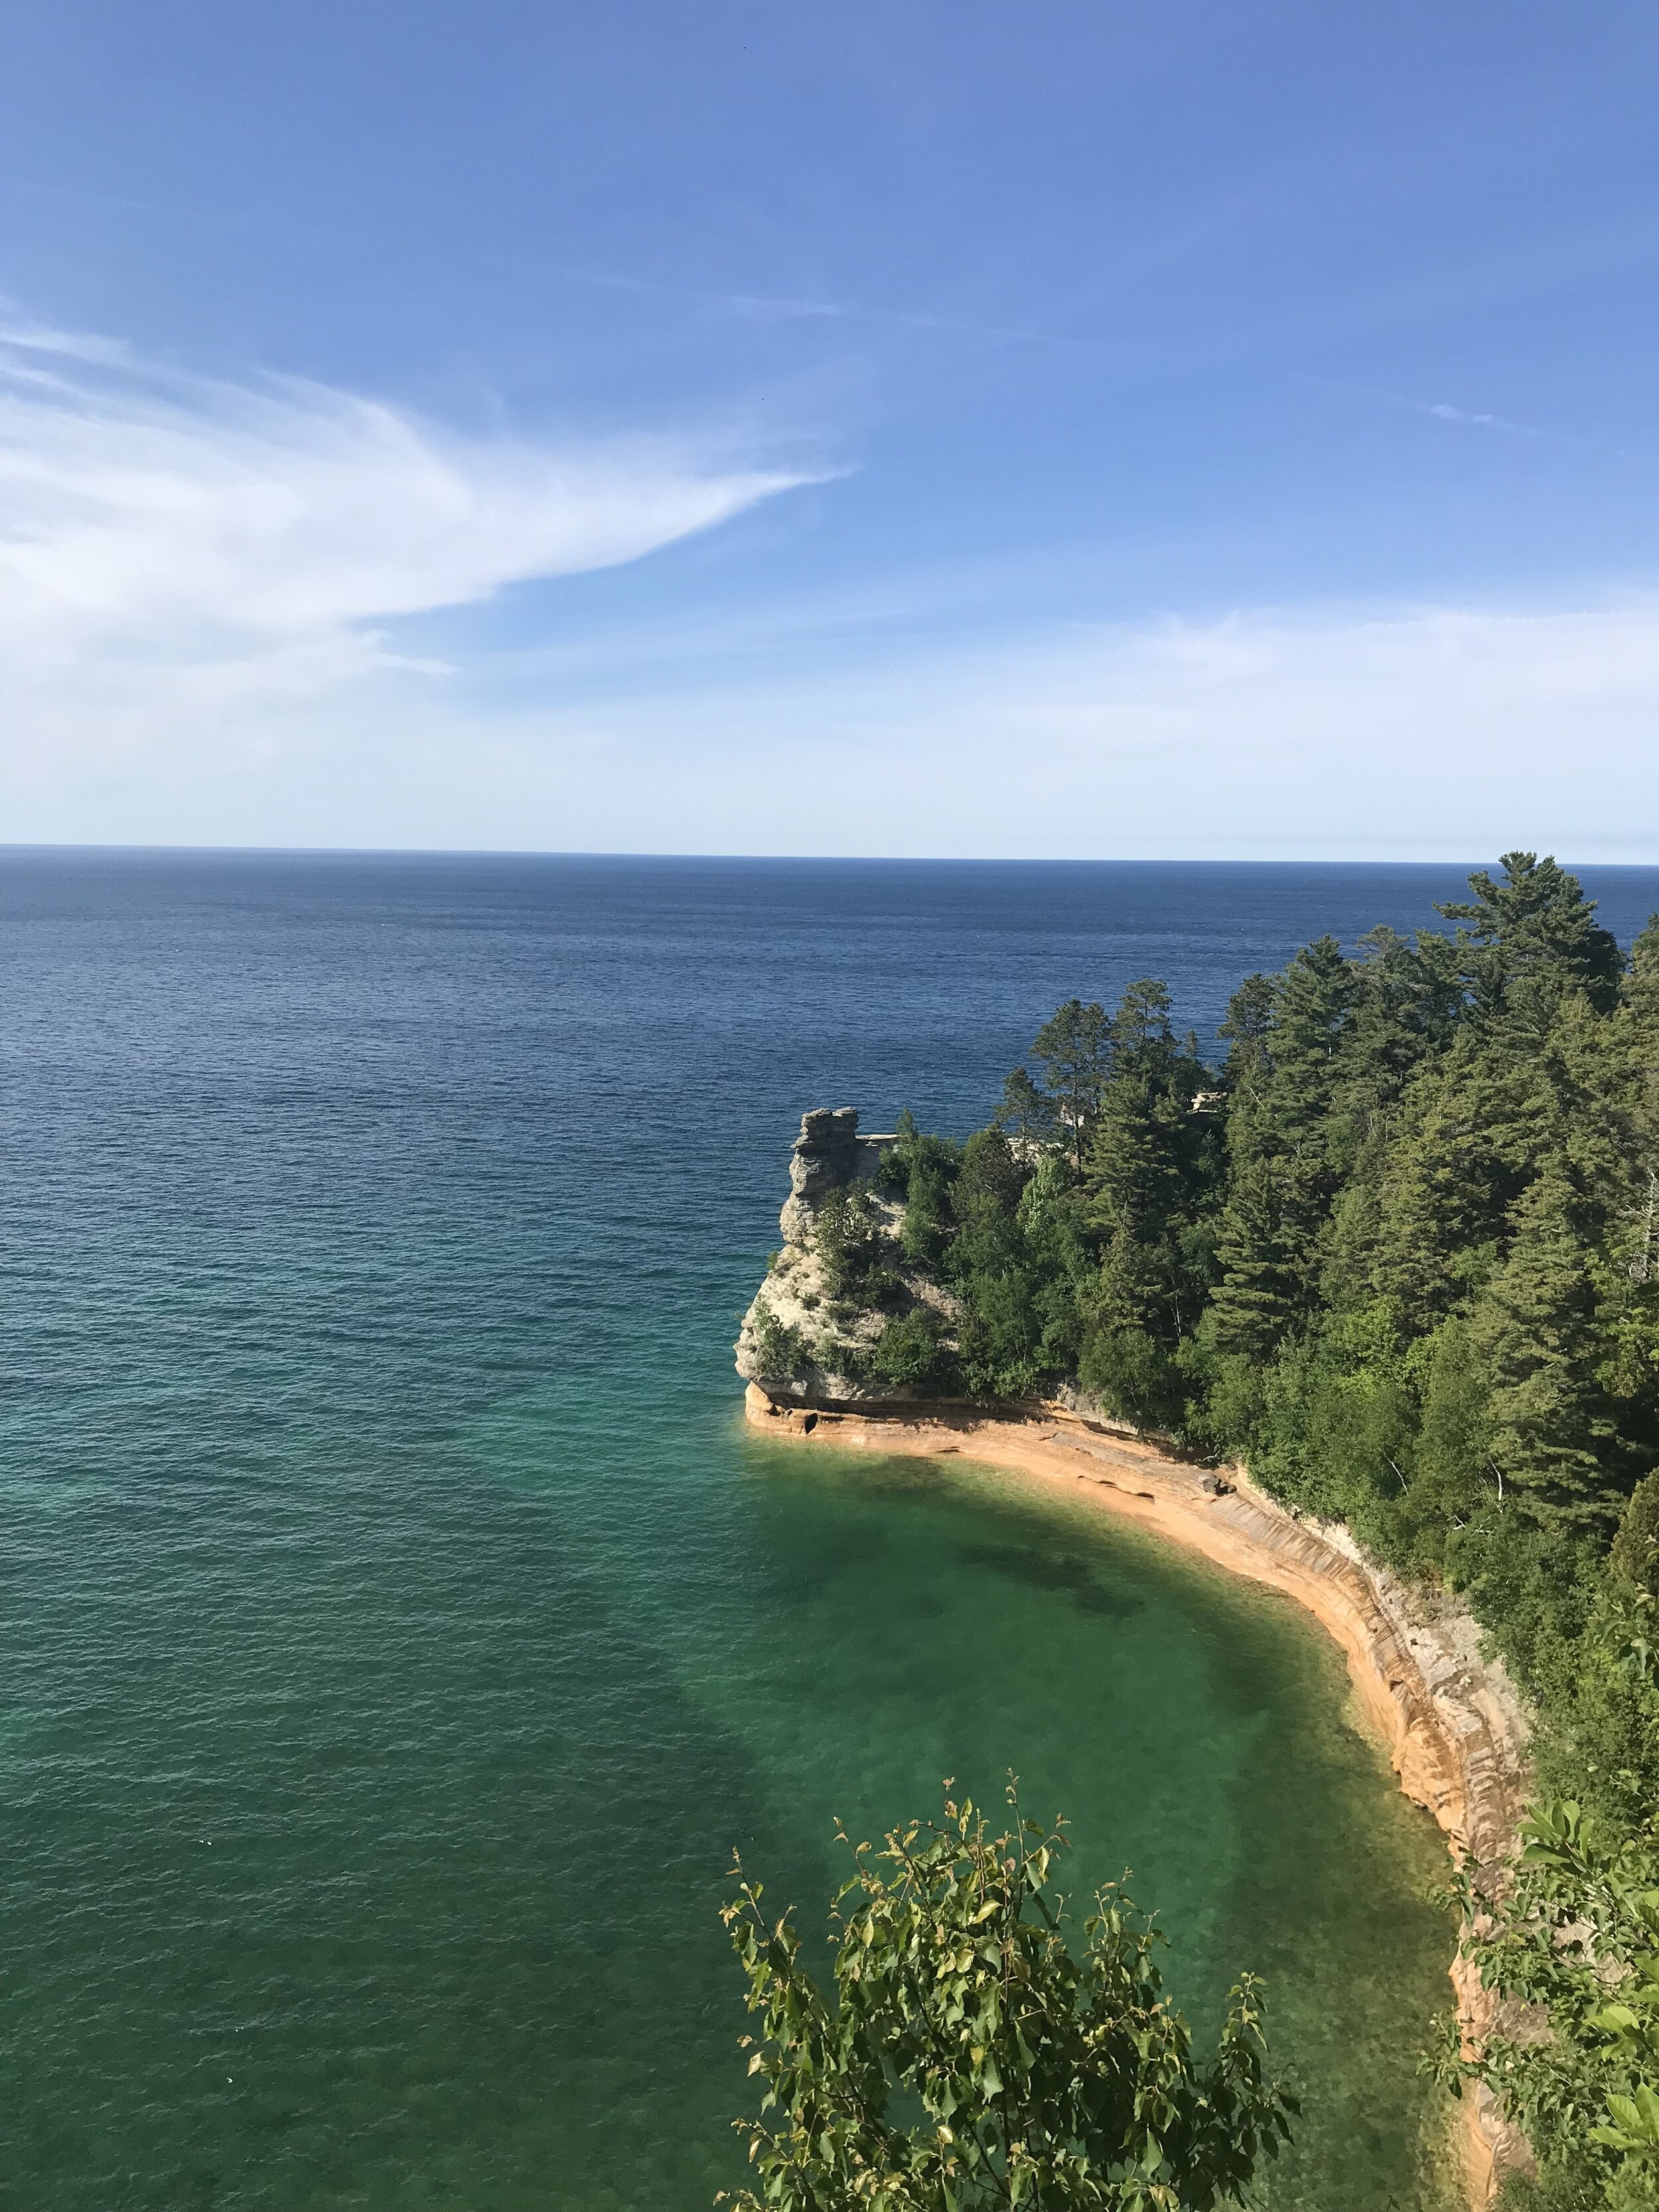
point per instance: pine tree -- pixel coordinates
(1143, 1043)
(1313, 1018)
(1468, 1132)
(1026, 1113)
(1642, 983)
(1407, 1002)
(1254, 1301)
(1146, 1172)
(1074, 1048)
(1534, 1331)
(1133, 1172)
(1530, 939)
(1287, 1051)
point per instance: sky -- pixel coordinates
(1077, 429)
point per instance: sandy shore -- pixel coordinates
(1453, 1726)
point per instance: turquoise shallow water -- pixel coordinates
(398, 1628)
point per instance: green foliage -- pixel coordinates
(1138, 1377)
(1576, 1934)
(968, 2059)
(1400, 1253)
(912, 1353)
(1255, 1300)
(1530, 941)
(924, 1168)
(1532, 1333)
(1026, 1112)
(1018, 1265)
(1151, 1172)
(1286, 1145)
(783, 1351)
(1635, 1554)
(1394, 1144)
(852, 1250)
(1074, 1048)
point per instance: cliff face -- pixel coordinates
(829, 1155)
(1453, 1722)
(810, 1335)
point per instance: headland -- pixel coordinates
(1453, 1724)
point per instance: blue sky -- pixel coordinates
(1086, 429)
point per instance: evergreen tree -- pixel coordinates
(1254, 1301)
(1641, 981)
(1026, 1112)
(1001, 1329)
(1407, 1000)
(1533, 1330)
(1249, 1026)
(1635, 1554)
(1409, 1268)
(1146, 1176)
(1313, 1018)
(1060, 1258)
(1142, 1041)
(1467, 1135)
(1286, 1056)
(1074, 1049)
(1529, 939)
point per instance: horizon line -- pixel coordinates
(10, 849)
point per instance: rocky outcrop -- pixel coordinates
(829, 1155)
(803, 1338)
(1453, 1724)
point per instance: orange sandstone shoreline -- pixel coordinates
(1452, 1723)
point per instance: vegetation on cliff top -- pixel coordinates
(1400, 1254)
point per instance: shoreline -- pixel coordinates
(1452, 1723)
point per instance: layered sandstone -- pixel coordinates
(798, 1338)
(1452, 1721)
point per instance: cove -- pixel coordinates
(391, 1872)
(399, 1626)
(1194, 1730)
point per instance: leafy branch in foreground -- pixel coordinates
(968, 2060)
(1578, 1934)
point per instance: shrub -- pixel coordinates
(783, 1353)
(912, 1354)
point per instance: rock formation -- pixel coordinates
(829, 1155)
(804, 1338)
(1453, 1722)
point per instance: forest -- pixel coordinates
(1397, 1254)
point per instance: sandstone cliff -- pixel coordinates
(1455, 1727)
(811, 1334)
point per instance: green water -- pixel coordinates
(385, 1871)
(399, 1628)
(1194, 1730)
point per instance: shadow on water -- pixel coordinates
(1079, 1578)
(397, 1637)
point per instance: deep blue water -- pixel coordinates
(398, 1628)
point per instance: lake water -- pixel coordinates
(400, 1629)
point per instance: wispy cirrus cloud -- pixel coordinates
(1443, 412)
(201, 586)
(155, 524)
(1480, 419)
